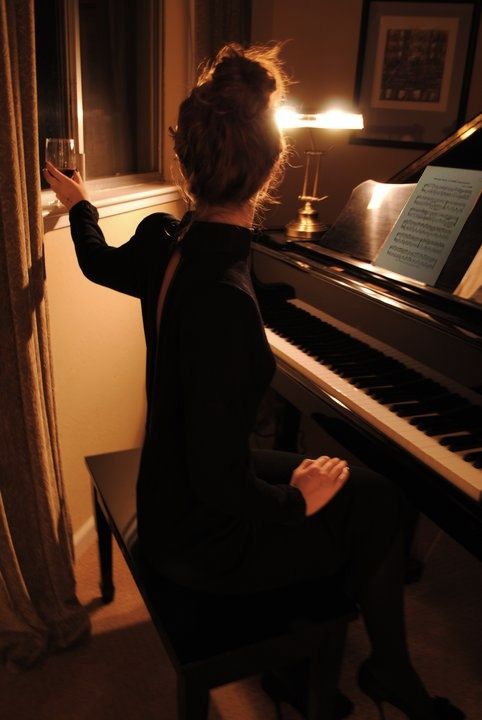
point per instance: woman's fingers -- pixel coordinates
(52, 170)
(327, 463)
(322, 460)
(332, 466)
(310, 473)
(53, 175)
(68, 190)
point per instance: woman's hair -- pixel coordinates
(227, 141)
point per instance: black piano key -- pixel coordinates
(469, 413)
(318, 339)
(387, 379)
(475, 458)
(465, 419)
(375, 367)
(462, 442)
(343, 349)
(351, 363)
(443, 427)
(406, 409)
(354, 371)
(371, 359)
(339, 356)
(407, 391)
(442, 403)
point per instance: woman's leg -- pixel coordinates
(367, 519)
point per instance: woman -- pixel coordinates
(212, 514)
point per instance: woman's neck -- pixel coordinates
(241, 215)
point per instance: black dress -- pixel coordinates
(212, 514)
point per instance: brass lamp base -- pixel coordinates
(307, 225)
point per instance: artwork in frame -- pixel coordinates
(413, 72)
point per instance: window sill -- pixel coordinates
(112, 199)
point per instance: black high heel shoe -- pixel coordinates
(440, 708)
(282, 691)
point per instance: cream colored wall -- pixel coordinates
(97, 338)
(98, 355)
(321, 57)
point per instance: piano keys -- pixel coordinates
(417, 408)
(392, 370)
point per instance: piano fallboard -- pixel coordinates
(438, 343)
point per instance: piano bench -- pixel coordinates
(216, 639)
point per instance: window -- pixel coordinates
(99, 80)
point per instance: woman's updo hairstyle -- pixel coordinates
(227, 141)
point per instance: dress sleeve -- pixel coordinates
(221, 387)
(120, 268)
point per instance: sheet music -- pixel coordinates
(430, 223)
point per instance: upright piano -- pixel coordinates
(389, 368)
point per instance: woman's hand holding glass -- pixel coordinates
(69, 191)
(319, 480)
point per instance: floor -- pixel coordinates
(123, 671)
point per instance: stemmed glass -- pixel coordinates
(61, 153)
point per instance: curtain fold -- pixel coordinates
(39, 610)
(217, 22)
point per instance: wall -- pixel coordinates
(98, 351)
(321, 57)
(98, 357)
(96, 334)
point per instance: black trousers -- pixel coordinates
(351, 535)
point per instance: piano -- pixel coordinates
(389, 368)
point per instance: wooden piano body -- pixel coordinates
(392, 370)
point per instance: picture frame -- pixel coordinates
(413, 70)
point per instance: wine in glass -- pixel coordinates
(61, 153)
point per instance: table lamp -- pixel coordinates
(308, 225)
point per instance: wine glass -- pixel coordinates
(61, 153)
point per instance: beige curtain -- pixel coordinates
(39, 611)
(217, 22)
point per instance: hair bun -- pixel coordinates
(239, 84)
(228, 144)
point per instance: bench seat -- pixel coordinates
(215, 639)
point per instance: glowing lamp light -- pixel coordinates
(287, 117)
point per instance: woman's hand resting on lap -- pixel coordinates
(69, 191)
(319, 480)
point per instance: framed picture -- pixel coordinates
(413, 71)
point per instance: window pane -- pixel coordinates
(116, 54)
(51, 83)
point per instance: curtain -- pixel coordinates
(39, 611)
(217, 22)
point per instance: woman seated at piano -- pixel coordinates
(212, 513)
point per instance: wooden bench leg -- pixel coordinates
(104, 539)
(192, 699)
(325, 671)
